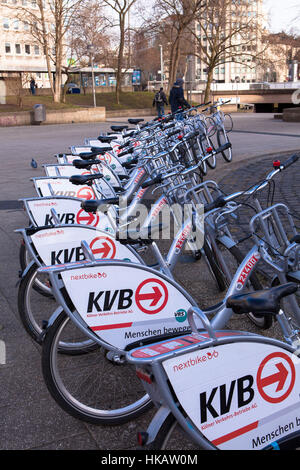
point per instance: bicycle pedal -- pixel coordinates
(115, 358)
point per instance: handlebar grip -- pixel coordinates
(156, 180)
(290, 161)
(219, 202)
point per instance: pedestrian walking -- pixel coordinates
(176, 98)
(32, 86)
(160, 100)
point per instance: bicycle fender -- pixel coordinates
(156, 423)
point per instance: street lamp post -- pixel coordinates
(91, 51)
(161, 66)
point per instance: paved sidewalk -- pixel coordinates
(29, 418)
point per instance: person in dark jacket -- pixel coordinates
(159, 101)
(176, 98)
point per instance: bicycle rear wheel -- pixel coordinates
(89, 386)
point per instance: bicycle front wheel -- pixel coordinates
(222, 139)
(89, 386)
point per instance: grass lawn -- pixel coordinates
(134, 100)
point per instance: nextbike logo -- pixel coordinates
(247, 270)
(80, 277)
(196, 361)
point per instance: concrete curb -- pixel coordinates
(68, 116)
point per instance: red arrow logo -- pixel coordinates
(106, 246)
(155, 296)
(279, 377)
(159, 295)
(86, 218)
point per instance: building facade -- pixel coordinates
(21, 53)
(242, 68)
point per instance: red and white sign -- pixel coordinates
(247, 270)
(86, 193)
(243, 404)
(151, 296)
(276, 377)
(103, 247)
(87, 218)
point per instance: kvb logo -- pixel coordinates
(275, 380)
(103, 247)
(151, 296)
(106, 301)
(67, 218)
(87, 218)
(86, 193)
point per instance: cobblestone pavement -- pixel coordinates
(29, 417)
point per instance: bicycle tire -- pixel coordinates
(24, 262)
(33, 320)
(99, 382)
(222, 139)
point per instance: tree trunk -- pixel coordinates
(120, 58)
(174, 59)
(208, 84)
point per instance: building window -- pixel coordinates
(16, 25)
(18, 48)
(26, 26)
(36, 50)
(7, 48)
(5, 23)
(27, 49)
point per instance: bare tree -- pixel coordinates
(223, 33)
(88, 28)
(49, 24)
(121, 9)
(169, 20)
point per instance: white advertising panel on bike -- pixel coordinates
(70, 170)
(123, 304)
(59, 245)
(242, 395)
(69, 211)
(61, 186)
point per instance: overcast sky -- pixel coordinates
(282, 14)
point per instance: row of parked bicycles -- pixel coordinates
(119, 332)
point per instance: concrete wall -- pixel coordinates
(26, 118)
(291, 115)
